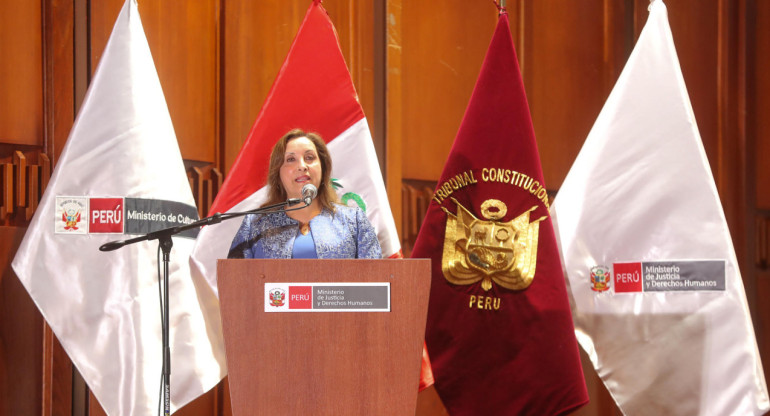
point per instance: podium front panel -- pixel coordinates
(335, 363)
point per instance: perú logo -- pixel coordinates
(84, 215)
(628, 277)
(106, 215)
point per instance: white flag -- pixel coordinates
(658, 301)
(121, 175)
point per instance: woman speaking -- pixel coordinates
(324, 229)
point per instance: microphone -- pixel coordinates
(112, 245)
(309, 193)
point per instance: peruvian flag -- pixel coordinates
(313, 92)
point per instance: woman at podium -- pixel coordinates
(325, 229)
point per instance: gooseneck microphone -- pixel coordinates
(309, 192)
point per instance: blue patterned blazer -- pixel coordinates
(343, 234)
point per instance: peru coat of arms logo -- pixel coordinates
(71, 215)
(489, 250)
(277, 297)
(600, 278)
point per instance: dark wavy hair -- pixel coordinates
(276, 192)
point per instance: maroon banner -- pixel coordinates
(499, 332)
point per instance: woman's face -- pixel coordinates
(301, 166)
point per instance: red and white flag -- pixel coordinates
(659, 303)
(314, 92)
(121, 175)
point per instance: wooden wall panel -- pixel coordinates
(21, 337)
(393, 81)
(758, 90)
(570, 59)
(58, 67)
(762, 325)
(184, 42)
(36, 113)
(705, 41)
(21, 73)
(102, 16)
(758, 131)
(57, 374)
(257, 37)
(695, 25)
(704, 38)
(699, 28)
(442, 48)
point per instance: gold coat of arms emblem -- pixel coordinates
(490, 250)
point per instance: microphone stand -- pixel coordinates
(164, 239)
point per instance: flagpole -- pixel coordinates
(500, 4)
(165, 246)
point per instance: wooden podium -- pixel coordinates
(323, 363)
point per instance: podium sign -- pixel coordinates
(349, 362)
(327, 297)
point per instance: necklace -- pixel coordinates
(304, 228)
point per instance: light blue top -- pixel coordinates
(304, 247)
(343, 234)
